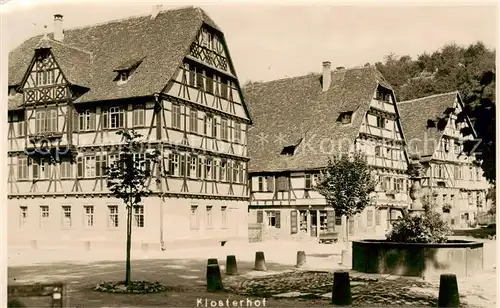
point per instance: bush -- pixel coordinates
(427, 228)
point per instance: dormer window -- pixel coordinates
(289, 150)
(123, 77)
(345, 117)
(126, 69)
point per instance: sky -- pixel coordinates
(282, 40)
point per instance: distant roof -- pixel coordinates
(89, 55)
(417, 117)
(286, 110)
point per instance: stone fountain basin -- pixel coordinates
(459, 257)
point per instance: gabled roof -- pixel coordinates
(420, 117)
(91, 54)
(286, 110)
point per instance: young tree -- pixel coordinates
(347, 184)
(128, 179)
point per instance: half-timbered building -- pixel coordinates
(452, 180)
(300, 123)
(167, 75)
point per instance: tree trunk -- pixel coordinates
(129, 245)
(347, 231)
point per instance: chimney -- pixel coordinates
(327, 75)
(340, 68)
(155, 11)
(58, 27)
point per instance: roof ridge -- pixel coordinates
(72, 47)
(127, 18)
(309, 75)
(427, 97)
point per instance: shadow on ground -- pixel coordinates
(185, 281)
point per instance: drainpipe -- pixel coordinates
(160, 188)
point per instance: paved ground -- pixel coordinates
(184, 274)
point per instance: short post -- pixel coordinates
(214, 279)
(212, 261)
(260, 261)
(448, 291)
(341, 292)
(301, 258)
(231, 266)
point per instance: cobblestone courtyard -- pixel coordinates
(282, 284)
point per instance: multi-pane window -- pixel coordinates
(194, 222)
(176, 116)
(101, 163)
(90, 166)
(193, 121)
(200, 167)
(44, 169)
(86, 120)
(116, 117)
(237, 132)
(174, 164)
(89, 215)
(192, 75)
(378, 151)
(139, 115)
(308, 184)
(200, 79)
(182, 168)
(139, 216)
(44, 215)
(192, 166)
(377, 217)
(208, 166)
(236, 172)
(113, 216)
(207, 124)
(380, 122)
(471, 174)
(140, 161)
(22, 168)
(224, 130)
(46, 120)
(23, 215)
(66, 216)
(223, 168)
(223, 211)
(66, 169)
(209, 221)
(45, 77)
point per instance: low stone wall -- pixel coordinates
(462, 258)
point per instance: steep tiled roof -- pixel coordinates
(88, 56)
(417, 116)
(286, 110)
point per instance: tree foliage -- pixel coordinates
(425, 228)
(128, 179)
(471, 71)
(346, 183)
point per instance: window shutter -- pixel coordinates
(79, 163)
(121, 121)
(171, 163)
(293, 222)
(75, 120)
(270, 183)
(260, 217)
(98, 165)
(188, 165)
(104, 115)
(330, 221)
(278, 219)
(36, 170)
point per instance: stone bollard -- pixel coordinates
(214, 279)
(260, 261)
(212, 261)
(301, 258)
(341, 292)
(448, 291)
(231, 266)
